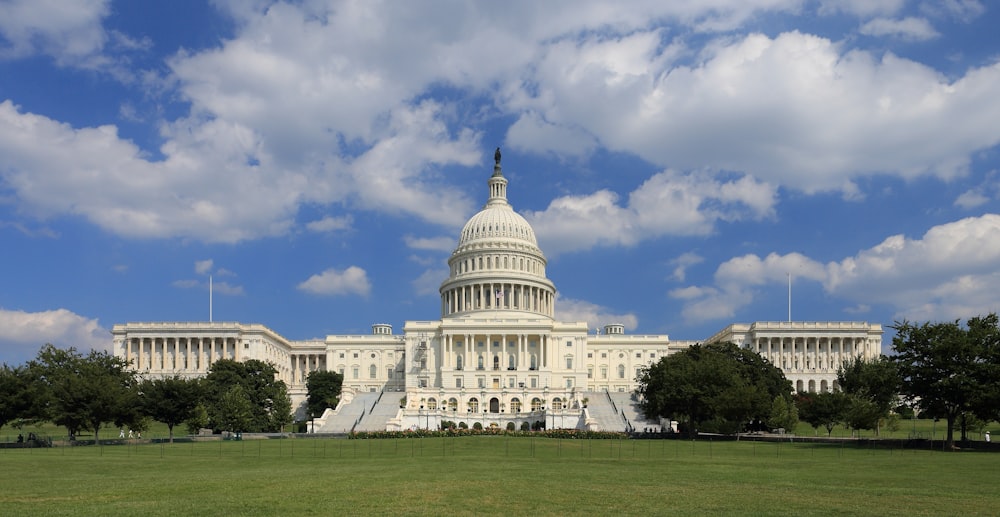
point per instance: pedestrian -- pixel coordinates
(987, 437)
(121, 432)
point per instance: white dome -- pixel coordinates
(497, 222)
(497, 264)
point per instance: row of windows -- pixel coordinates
(621, 355)
(604, 372)
(495, 262)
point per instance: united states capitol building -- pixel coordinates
(497, 355)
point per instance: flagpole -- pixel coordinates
(209, 298)
(789, 297)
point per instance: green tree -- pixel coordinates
(784, 414)
(949, 369)
(15, 397)
(873, 387)
(270, 406)
(823, 409)
(714, 387)
(323, 389)
(83, 392)
(172, 400)
(233, 411)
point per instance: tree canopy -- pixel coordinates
(872, 388)
(172, 400)
(714, 387)
(323, 389)
(269, 405)
(82, 392)
(949, 369)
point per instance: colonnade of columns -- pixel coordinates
(304, 364)
(498, 296)
(823, 353)
(180, 354)
(467, 347)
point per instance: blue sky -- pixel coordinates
(678, 160)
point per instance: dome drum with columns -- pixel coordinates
(497, 357)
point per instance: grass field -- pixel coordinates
(514, 476)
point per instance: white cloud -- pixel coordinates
(682, 263)
(68, 30)
(22, 333)
(861, 8)
(330, 224)
(669, 203)
(795, 110)
(307, 104)
(596, 316)
(971, 199)
(352, 280)
(910, 28)
(950, 272)
(443, 244)
(203, 267)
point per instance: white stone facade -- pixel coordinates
(497, 355)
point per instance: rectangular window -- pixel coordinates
(604, 355)
(389, 372)
(569, 363)
(482, 382)
(458, 382)
(569, 382)
(355, 372)
(534, 382)
(638, 355)
(590, 373)
(341, 355)
(569, 343)
(590, 355)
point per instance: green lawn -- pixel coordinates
(513, 476)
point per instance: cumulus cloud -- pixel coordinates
(333, 282)
(795, 110)
(22, 333)
(307, 104)
(596, 316)
(68, 30)
(669, 203)
(950, 272)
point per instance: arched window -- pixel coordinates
(452, 404)
(372, 371)
(510, 362)
(536, 404)
(621, 371)
(515, 405)
(496, 362)
(534, 362)
(557, 403)
(481, 363)
(432, 403)
(458, 363)
(473, 405)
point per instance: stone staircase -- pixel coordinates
(349, 415)
(603, 415)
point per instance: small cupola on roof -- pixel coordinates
(497, 264)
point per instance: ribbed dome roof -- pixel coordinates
(498, 221)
